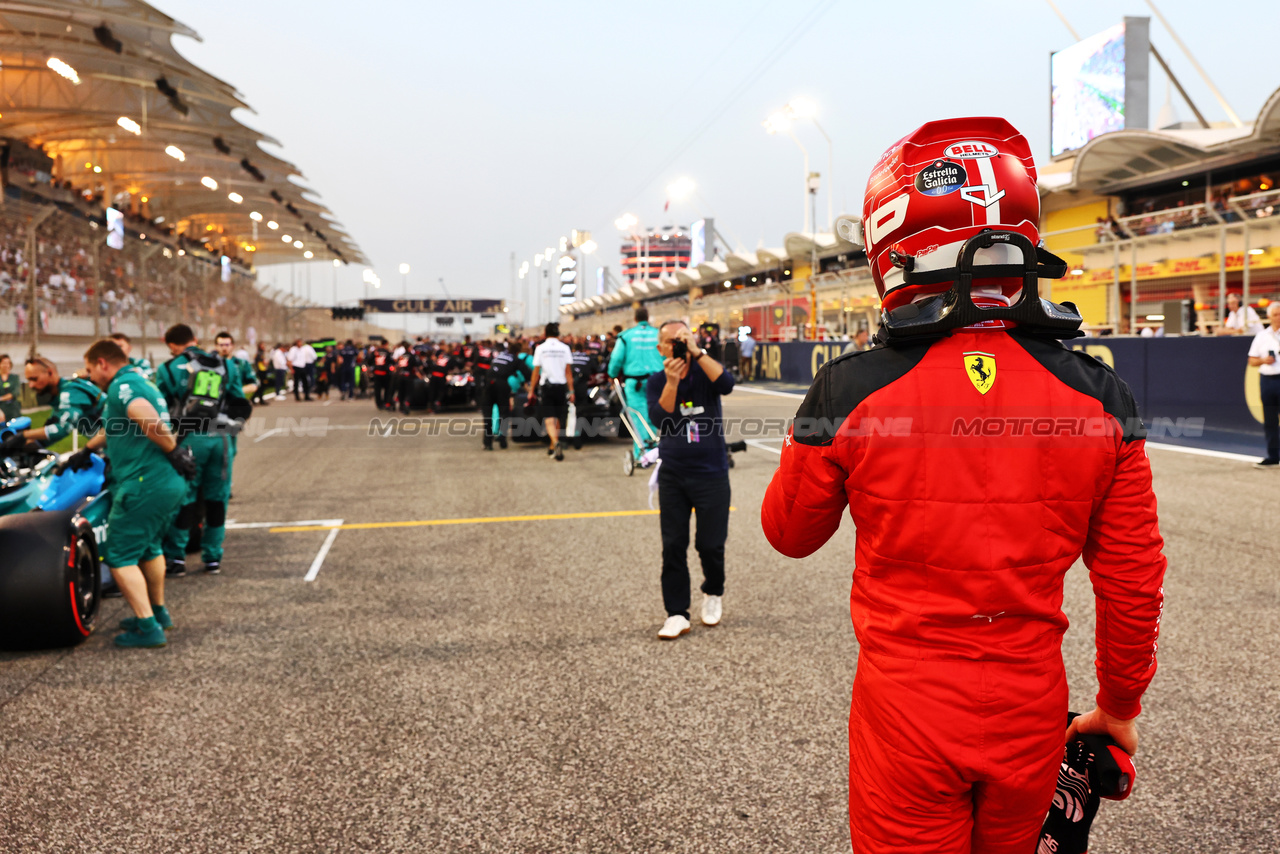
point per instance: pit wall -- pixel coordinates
(1192, 391)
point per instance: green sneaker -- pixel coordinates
(146, 633)
(163, 617)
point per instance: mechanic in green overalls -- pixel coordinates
(10, 390)
(77, 405)
(634, 359)
(142, 363)
(147, 485)
(246, 380)
(197, 386)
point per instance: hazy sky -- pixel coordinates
(449, 135)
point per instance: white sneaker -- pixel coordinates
(712, 608)
(674, 627)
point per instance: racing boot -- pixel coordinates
(145, 634)
(175, 567)
(163, 618)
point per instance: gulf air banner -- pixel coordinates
(432, 306)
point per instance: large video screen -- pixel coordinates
(1088, 82)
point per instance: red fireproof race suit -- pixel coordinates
(977, 468)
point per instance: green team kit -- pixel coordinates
(199, 387)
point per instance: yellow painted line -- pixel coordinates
(478, 520)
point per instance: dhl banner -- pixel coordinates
(1168, 269)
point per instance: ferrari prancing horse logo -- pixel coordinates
(981, 370)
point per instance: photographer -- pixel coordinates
(684, 404)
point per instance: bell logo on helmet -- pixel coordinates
(886, 218)
(980, 368)
(971, 150)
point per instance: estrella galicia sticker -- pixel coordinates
(940, 178)
(981, 370)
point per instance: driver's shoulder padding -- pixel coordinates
(1090, 376)
(846, 381)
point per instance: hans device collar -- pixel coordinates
(954, 309)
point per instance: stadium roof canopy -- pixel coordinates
(75, 73)
(1125, 159)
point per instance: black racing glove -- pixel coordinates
(183, 461)
(1093, 767)
(79, 461)
(13, 442)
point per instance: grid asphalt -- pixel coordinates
(499, 687)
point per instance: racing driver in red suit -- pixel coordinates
(979, 458)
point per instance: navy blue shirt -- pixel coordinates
(692, 437)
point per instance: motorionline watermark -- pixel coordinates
(591, 427)
(1067, 426)
(257, 427)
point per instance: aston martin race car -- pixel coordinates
(52, 526)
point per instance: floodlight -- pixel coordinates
(777, 123)
(802, 108)
(61, 68)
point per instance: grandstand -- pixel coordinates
(1144, 217)
(1149, 216)
(132, 196)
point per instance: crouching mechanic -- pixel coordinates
(147, 487)
(199, 387)
(979, 458)
(76, 406)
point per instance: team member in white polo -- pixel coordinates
(1264, 354)
(552, 382)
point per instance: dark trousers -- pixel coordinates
(302, 383)
(347, 381)
(436, 386)
(281, 374)
(404, 390)
(678, 495)
(499, 395)
(1270, 387)
(381, 390)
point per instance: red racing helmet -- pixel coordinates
(935, 188)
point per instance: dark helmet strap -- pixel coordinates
(955, 309)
